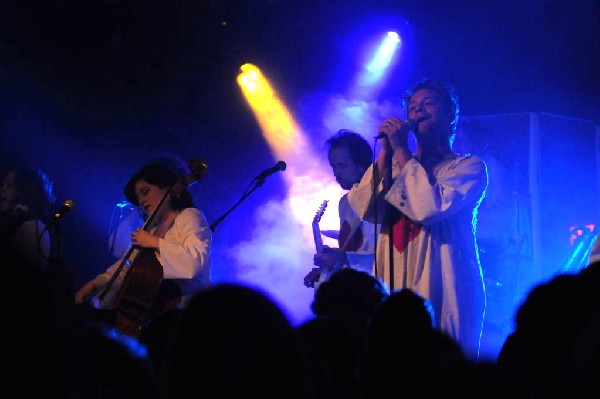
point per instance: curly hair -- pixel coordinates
(33, 188)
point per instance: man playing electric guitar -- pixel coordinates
(349, 156)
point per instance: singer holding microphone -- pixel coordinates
(426, 202)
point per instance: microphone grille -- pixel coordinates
(70, 204)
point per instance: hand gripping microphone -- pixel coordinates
(412, 125)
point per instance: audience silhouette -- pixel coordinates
(554, 348)
(405, 348)
(233, 339)
(350, 295)
(336, 334)
(103, 363)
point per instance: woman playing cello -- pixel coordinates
(179, 239)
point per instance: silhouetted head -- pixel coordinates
(235, 337)
(349, 294)
(402, 310)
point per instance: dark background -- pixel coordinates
(137, 64)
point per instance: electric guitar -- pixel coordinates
(313, 276)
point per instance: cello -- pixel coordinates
(143, 291)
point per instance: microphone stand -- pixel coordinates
(60, 280)
(58, 235)
(257, 183)
(55, 253)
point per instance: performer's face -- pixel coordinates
(434, 116)
(346, 171)
(8, 192)
(148, 196)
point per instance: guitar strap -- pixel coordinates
(350, 235)
(349, 216)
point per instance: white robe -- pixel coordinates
(428, 235)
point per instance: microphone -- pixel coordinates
(412, 125)
(66, 207)
(279, 166)
(198, 167)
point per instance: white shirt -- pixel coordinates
(184, 253)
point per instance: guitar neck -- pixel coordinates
(315, 227)
(317, 237)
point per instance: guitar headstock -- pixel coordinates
(320, 212)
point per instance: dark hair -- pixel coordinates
(173, 161)
(405, 309)
(349, 293)
(34, 189)
(447, 92)
(162, 176)
(359, 148)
